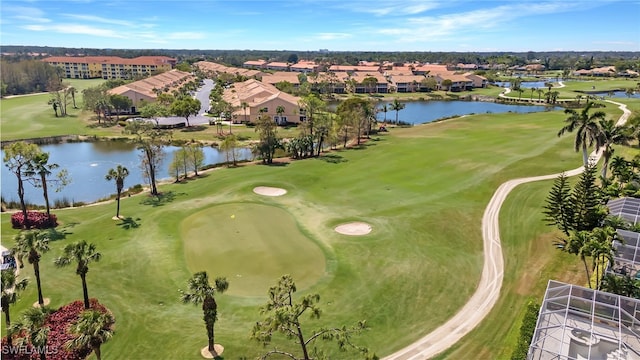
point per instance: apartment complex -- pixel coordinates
(253, 98)
(110, 67)
(147, 90)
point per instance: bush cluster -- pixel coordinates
(37, 220)
(58, 323)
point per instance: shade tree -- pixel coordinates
(17, 158)
(39, 172)
(150, 141)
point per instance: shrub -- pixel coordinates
(526, 331)
(37, 220)
(58, 323)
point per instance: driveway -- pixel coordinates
(202, 94)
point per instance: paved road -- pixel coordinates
(488, 291)
(202, 94)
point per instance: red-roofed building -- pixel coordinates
(252, 98)
(110, 67)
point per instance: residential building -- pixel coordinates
(458, 82)
(305, 66)
(253, 98)
(576, 323)
(477, 80)
(110, 67)
(354, 68)
(255, 64)
(147, 90)
(407, 83)
(280, 76)
(381, 86)
(214, 69)
(278, 66)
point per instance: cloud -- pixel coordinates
(331, 36)
(438, 27)
(24, 13)
(390, 7)
(75, 29)
(98, 19)
(186, 35)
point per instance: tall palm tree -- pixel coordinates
(587, 129)
(10, 291)
(30, 244)
(384, 109)
(200, 291)
(610, 135)
(82, 253)
(396, 106)
(244, 106)
(578, 243)
(32, 324)
(118, 174)
(540, 92)
(93, 329)
(601, 249)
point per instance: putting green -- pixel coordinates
(252, 245)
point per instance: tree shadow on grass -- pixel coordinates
(57, 234)
(129, 223)
(332, 158)
(194, 128)
(160, 199)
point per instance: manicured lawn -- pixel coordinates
(218, 240)
(423, 190)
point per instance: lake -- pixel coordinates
(419, 112)
(89, 162)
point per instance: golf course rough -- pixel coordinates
(251, 245)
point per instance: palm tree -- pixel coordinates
(30, 244)
(587, 129)
(601, 249)
(72, 91)
(93, 329)
(118, 174)
(201, 292)
(82, 253)
(578, 244)
(540, 92)
(10, 291)
(280, 111)
(397, 106)
(610, 135)
(32, 324)
(384, 109)
(244, 108)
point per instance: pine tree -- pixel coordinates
(559, 208)
(586, 198)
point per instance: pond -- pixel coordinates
(89, 162)
(617, 94)
(418, 112)
(528, 84)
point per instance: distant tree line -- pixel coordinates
(24, 77)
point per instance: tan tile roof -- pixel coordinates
(353, 68)
(359, 76)
(141, 60)
(432, 68)
(255, 62)
(291, 77)
(172, 79)
(254, 93)
(402, 79)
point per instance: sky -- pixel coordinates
(336, 25)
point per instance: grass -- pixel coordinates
(273, 238)
(423, 189)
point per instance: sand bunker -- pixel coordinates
(269, 191)
(354, 228)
